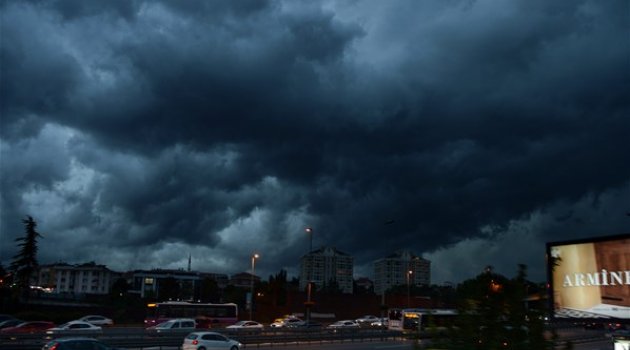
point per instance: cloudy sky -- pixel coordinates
(470, 132)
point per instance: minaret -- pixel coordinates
(189, 257)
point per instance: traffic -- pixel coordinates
(193, 327)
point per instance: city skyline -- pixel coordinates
(139, 133)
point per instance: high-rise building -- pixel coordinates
(325, 267)
(394, 270)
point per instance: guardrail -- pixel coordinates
(140, 338)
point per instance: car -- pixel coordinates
(97, 320)
(176, 325)
(277, 323)
(209, 340)
(75, 327)
(29, 327)
(381, 323)
(344, 324)
(76, 344)
(367, 319)
(306, 324)
(293, 322)
(5, 317)
(246, 324)
(287, 322)
(10, 323)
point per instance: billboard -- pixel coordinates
(589, 279)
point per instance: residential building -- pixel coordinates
(401, 268)
(325, 266)
(243, 280)
(147, 282)
(88, 278)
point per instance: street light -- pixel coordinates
(409, 273)
(309, 261)
(309, 230)
(251, 303)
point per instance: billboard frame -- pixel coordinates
(550, 278)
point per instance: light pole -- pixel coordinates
(309, 261)
(251, 303)
(409, 273)
(309, 230)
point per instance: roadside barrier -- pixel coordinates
(139, 338)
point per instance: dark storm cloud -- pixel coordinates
(228, 126)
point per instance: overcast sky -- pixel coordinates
(469, 132)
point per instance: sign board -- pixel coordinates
(590, 279)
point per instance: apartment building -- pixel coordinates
(88, 278)
(401, 268)
(325, 266)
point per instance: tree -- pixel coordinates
(120, 288)
(493, 312)
(25, 262)
(278, 287)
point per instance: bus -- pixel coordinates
(206, 315)
(420, 319)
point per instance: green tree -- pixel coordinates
(119, 288)
(493, 312)
(25, 262)
(278, 288)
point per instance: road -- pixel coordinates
(388, 345)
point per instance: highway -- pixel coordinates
(139, 339)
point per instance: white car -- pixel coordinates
(97, 320)
(381, 323)
(367, 319)
(288, 322)
(209, 340)
(73, 327)
(246, 324)
(174, 326)
(344, 324)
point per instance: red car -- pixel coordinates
(29, 327)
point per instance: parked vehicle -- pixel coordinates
(29, 327)
(209, 340)
(174, 326)
(76, 344)
(97, 320)
(344, 324)
(75, 327)
(246, 325)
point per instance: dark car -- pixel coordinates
(4, 317)
(307, 324)
(28, 327)
(10, 323)
(77, 344)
